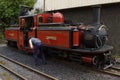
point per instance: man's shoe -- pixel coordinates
(37, 64)
(44, 63)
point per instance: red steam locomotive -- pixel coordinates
(74, 41)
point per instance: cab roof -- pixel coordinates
(27, 16)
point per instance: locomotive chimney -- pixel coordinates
(96, 15)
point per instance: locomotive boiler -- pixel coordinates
(79, 42)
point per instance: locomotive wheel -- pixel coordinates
(12, 44)
(95, 60)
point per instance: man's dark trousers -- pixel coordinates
(37, 47)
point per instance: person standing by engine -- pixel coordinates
(36, 45)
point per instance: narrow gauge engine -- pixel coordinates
(74, 41)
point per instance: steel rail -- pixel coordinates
(115, 68)
(29, 68)
(110, 71)
(113, 71)
(13, 72)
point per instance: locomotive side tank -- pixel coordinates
(55, 33)
(11, 34)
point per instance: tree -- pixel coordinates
(9, 10)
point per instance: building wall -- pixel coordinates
(65, 4)
(110, 16)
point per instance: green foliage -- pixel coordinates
(37, 11)
(9, 9)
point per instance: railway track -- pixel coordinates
(22, 71)
(6, 74)
(113, 71)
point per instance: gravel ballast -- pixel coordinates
(61, 69)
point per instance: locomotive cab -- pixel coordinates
(26, 26)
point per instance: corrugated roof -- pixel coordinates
(65, 4)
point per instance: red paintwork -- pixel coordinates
(44, 16)
(88, 60)
(11, 35)
(54, 38)
(80, 38)
(20, 42)
(59, 38)
(35, 21)
(58, 18)
(76, 38)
